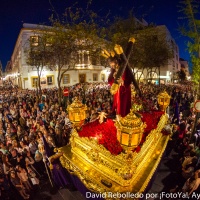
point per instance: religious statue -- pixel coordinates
(120, 78)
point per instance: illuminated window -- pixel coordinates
(34, 40)
(103, 77)
(49, 80)
(95, 77)
(43, 81)
(152, 75)
(49, 41)
(34, 82)
(86, 54)
(139, 75)
(66, 79)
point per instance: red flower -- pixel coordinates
(106, 133)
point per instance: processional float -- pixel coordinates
(104, 154)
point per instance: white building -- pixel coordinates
(86, 70)
(26, 76)
(185, 66)
(168, 71)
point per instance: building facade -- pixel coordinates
(21, 74)
(168, 71)
(184, 65)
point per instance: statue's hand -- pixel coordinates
(120, 81)
(114, 88)
(105, 53)
(112, 53)
(118, 49)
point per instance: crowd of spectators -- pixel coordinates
(24, 120)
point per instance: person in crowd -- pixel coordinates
(5, 189)
(189, 169)
(32, 176)
(17, 183)
(7, 167)
(22, 174)
(25, 119)
(16, 158)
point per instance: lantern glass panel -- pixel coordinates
(77, 117)
(118, 136)
(71, 116)
(135, 139)
(80, 116)
(125, 139)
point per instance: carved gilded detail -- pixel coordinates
(100, 171)
(129, 130)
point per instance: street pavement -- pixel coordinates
(46, 193)
(167, 176)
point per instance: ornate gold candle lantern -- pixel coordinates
(129, 131)
(77, 113)
(163, 100)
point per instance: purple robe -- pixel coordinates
(59, 174)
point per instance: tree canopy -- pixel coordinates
(191, 14)
(151, 50)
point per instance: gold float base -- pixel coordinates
(104, 173)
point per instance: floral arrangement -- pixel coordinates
(106, 132)
(151, 120)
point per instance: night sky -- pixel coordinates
(13, 13)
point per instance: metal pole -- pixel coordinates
(44, 160)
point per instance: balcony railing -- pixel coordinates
(86, 66)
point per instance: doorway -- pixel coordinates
(82, 78)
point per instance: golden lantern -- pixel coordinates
(163, 100)
(77, 113)
(129, 130)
